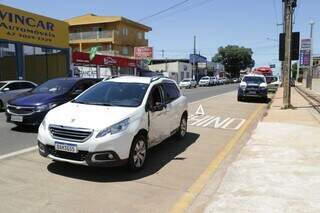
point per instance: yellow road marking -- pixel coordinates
(186, 199)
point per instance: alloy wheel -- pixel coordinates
(139, 155)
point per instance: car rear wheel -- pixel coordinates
(138, 153)
(183, 128)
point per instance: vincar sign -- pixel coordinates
(21, 26)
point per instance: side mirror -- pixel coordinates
(6, 89)
(157, 107)
(77, 92)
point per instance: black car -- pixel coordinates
(31, 107)
(253, 86)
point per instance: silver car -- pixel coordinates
(11, 89)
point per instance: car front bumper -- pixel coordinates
(184, 85)
(258, 93)
(109, 151)
(33, 119)
(204, 83)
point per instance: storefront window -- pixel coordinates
(42, 64)
(35, 64)
(8, 61)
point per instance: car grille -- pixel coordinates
(20, 110)
(70, 133)
(80, 156)
(252, 87)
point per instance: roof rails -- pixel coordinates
(110, 77)
(155, 78)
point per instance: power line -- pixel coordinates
(185, 8)
(164, 10)
(276, 14)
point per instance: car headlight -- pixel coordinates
(263, 86)
(243, 86)
(44, 124)
(116, 128)
(46, 107)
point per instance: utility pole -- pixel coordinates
(289, 9)
(310, 73)
(162, 53)
(193, 58)
(283, 30)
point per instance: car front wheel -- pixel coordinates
(138, 153)
(183, 127)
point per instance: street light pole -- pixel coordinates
(193, 58)
(310, 73)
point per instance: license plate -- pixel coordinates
(16, 118)
(252, 92)
(65, 147)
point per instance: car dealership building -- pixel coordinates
(32, 47)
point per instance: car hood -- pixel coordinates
(34, 99)
(88, 116)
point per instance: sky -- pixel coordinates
(215, 23)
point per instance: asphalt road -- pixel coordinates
(13, 139)
(37, 184)
(205, 92)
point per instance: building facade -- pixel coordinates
(114, 35)
(32, 47)
(175, 70)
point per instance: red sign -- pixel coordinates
(103, 60)
(143, 52)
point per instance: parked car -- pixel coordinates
(214, 81)
(253, 85)
(205, 81)
(220, 81)
(114, 122)
(11, 89)
(235, 80)
(273, 83)
(188, 83)
(31, 108)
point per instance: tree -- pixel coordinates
(234, 59)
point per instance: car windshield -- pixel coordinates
(205, 78)
(253, 79)
(2, 84)
(58, 86)
(114, 94)
(186, 80)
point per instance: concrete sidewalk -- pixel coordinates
(316, 85)
(278, 169)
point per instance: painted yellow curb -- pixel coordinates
(186, 200)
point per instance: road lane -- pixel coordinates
(39, 184)
(13, 139)
(205, 92)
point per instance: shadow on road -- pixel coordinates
(256, 100)
(158, 157)
(25, 129)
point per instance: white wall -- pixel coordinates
(173, 70)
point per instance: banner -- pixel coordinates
(143, 52)
(21, 26)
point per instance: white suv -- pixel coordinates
(114, 122)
